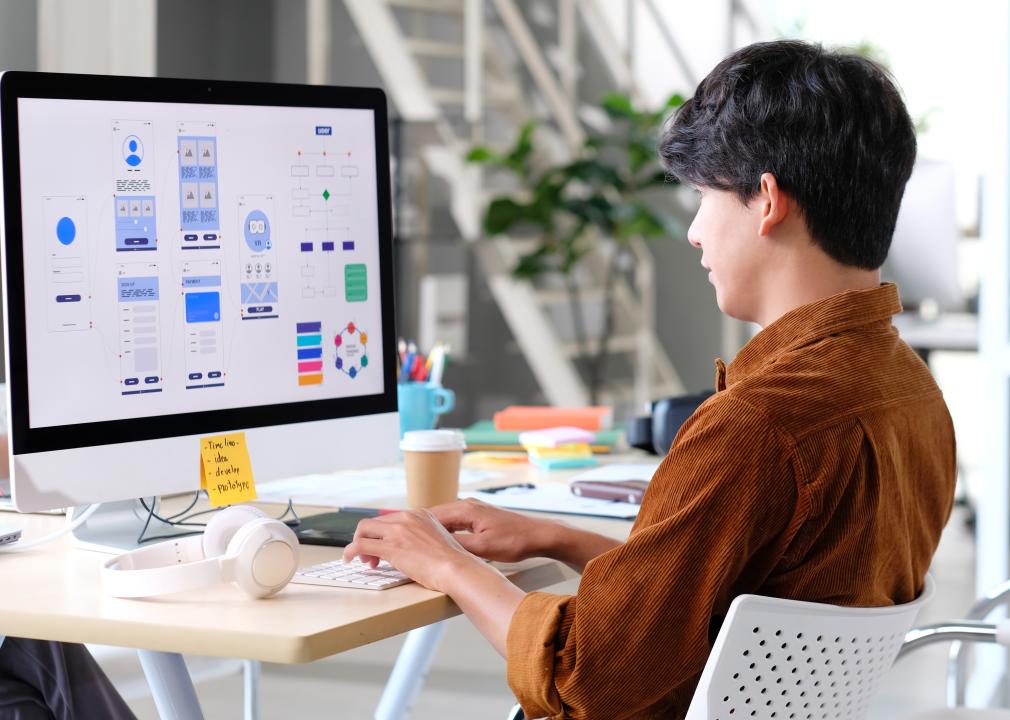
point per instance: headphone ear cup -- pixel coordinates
(223, 526)
(264, 554)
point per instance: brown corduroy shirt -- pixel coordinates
(822, 469)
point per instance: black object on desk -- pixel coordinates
(332, 528)
(655, 432)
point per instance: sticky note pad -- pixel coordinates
(225, 470)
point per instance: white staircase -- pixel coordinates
(392, 31)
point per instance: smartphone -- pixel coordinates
(629, 491)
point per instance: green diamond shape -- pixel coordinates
(326, 194)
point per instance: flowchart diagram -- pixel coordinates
(322, 192)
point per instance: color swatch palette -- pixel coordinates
(309, 343)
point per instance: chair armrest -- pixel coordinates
(957, 630)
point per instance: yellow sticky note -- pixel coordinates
(225, 470)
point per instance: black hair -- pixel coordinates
(830, 126)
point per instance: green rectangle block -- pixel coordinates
(356, 282)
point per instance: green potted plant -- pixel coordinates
(597, 197)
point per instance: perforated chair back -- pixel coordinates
(790, 660)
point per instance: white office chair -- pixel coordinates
(793, 660)
(780, 659)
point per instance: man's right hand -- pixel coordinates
(494, 533)
(506, 536)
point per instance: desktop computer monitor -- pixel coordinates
(187, 258)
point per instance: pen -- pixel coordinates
(517, 486)
(368, 511)
(438, 364)
(408, 362)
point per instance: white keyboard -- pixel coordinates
(354, 574)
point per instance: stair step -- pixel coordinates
(447, 96)
(617, 344)
(448, 7)
(452, 96)
(435, 48)
(560, 296)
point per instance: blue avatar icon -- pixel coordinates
(257, 231)
(133, 151)
(66, 231)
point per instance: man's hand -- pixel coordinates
(508, 536)
(415, 543)
(494, 533)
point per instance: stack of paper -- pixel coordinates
(483, 436)
(558, 448)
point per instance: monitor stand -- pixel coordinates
(115, 526)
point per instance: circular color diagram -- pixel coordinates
(257, 231)
(66, 231)
(351, 345)
(133, 151)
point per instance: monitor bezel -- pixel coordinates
(17, 85)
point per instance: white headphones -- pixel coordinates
(241, 545)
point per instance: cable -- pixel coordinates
(182, 519)
(192, 504)
(68, 528)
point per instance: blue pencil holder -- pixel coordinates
(420, 404)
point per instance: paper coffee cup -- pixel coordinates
(431, 460)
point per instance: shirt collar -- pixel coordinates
(810, 322)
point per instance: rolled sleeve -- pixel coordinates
(531, 646)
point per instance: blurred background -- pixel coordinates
(590, 293)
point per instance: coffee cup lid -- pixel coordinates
(432, 440)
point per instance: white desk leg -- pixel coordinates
(251, 685)
(171, 685)
(408, 673)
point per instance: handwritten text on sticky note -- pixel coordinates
(225, 470)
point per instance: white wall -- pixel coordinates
(938, 54)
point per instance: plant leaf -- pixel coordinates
(618, 106)
(532, 264)
(517, 158)
(593, 210)
(593, 170)
(674, 101)
(483, 154)
(504, 213)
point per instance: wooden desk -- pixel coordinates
(54, 593)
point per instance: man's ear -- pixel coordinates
(773, 204)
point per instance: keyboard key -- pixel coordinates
(354, 574)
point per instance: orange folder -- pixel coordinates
(532, 417)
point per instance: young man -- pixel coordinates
(822, 469)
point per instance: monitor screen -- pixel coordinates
(197, 265)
